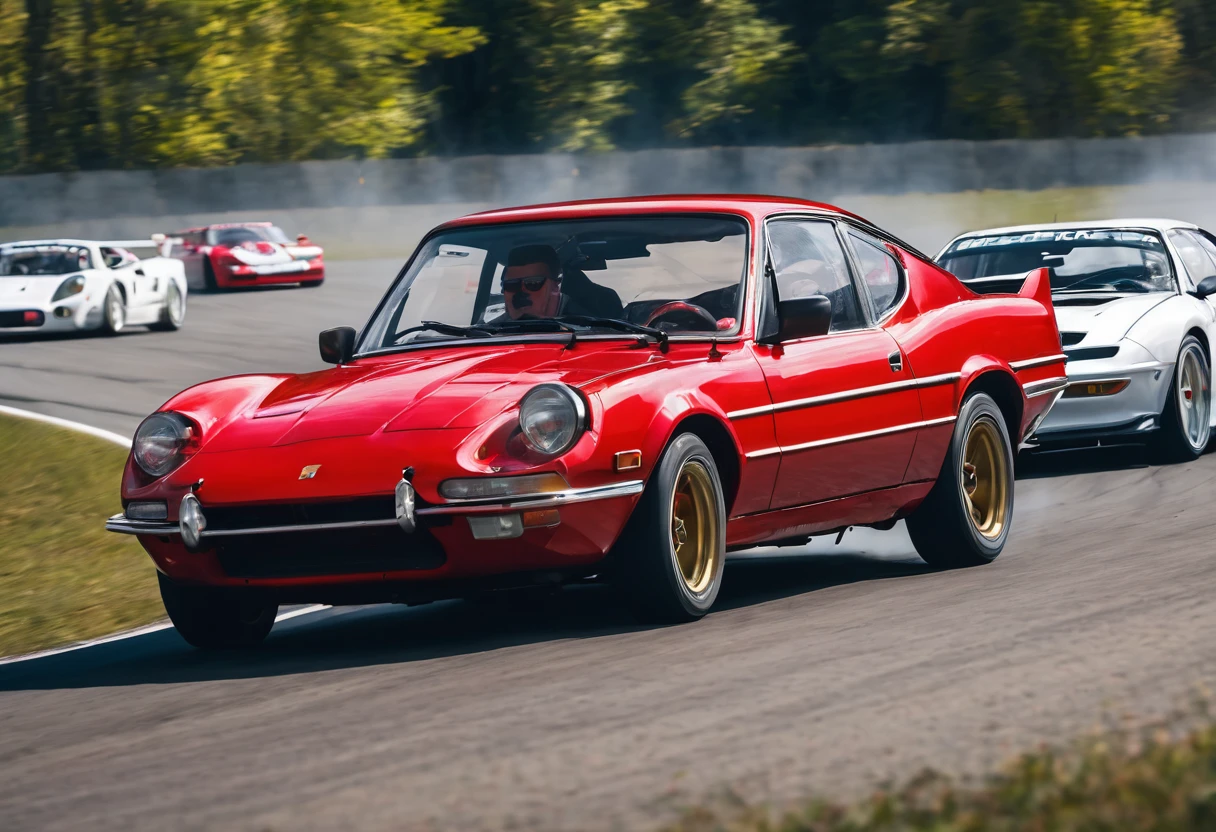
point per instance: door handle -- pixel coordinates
(896, 360)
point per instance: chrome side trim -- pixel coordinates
(120, 524)
(1031, 363)
(847, 395)
(555, 499)
(1042, 388)
(852, 437)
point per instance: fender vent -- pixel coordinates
(1067, 339)
(1091, 353)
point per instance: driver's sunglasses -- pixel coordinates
(532, 284)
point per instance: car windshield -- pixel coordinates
(43, 260)
(1092, 260)
(674, 275)
(237, 234)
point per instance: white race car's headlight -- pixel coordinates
(69, 287)
(163, 442)
(552, 417)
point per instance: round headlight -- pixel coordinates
(552, 417)
(161, 442)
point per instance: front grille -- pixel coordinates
(1091, 353)
(1067, 339)
(314, 553)
(299, 514)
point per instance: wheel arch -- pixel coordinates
(722, 446)
(1004, 389)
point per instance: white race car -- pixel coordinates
(1134, 304)
(70, 285)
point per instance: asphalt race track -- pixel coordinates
(827, 669)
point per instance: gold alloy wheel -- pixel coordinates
(694, 527)
(985, 478)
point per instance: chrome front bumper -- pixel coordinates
(123, 525)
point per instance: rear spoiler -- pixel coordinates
(1035, 284)
(160, 242)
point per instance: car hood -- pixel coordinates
(1104, 320)
(424, 389)
(26, 291)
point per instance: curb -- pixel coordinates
(66, 423)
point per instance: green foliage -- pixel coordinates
(136, 83)
(1113, 784)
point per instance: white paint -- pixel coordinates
(68, 424)
(138, 631)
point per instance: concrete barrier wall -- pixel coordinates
(388, 203)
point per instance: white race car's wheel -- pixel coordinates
(1186, 419)
(173, 312)
(114, 312)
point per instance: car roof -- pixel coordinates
(259, 224)
(746, 204)
(1156, 224)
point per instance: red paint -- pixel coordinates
(446, 410)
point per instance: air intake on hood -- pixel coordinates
(1090, 300)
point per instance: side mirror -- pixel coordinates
(337, 344)
(1206, 287)
(804, 317)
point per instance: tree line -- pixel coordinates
(89, 84)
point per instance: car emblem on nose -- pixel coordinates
(309, 471)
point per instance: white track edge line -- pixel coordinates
(138, 631)
(109, 436)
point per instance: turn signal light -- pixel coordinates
(541, 518)
(1095, 388)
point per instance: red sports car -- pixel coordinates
(227, 255)
(623, 390)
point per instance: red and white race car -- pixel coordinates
(228, 255)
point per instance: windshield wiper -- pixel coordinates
(658, 335)
(443, 329)
(537, 325)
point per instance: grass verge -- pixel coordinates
(64, 578)
(1150, 782)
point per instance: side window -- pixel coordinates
(880, 270)
(1198, 264)
(1205, 242)
(808, 260)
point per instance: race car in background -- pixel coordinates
(228, 255)
(1134, 302)
(71, 285)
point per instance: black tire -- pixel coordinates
(113, 311)
(645, 566)
(943, 528)
(1178, 439)
(311, 284)
(212, 618)
(209, 276)
(173, 313)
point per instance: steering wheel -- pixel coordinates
(684, 314)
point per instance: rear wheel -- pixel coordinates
(114, 311)
(173, 312)
(215, 618)
(965, 519)
(669, 560)
(1186, 419)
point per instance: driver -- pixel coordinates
(532, 282)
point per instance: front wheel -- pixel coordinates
(114, 311)
(669, 560)
(1186, 419)
(216, 618)
(173, 312)
(965, 519)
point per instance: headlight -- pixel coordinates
(69, 287)
(162, 443)
(552, 417)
